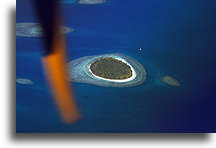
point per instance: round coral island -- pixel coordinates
(107, 70)
(111, 68)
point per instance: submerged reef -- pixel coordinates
(91, 2)
(69, 1)
(35, 29)
(169, 80)
(79, 71)
(24, 81)
(111, 68)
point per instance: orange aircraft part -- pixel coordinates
(56, 73)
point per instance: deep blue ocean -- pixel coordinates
(177, 38)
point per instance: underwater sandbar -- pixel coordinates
(35, 30)
(91, 2)
(24, 81)
(169, 80)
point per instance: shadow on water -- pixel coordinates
(49, 137)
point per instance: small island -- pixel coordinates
(111, 68)
(107, 70)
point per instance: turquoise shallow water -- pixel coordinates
(177, 38)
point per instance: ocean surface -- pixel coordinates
(177, 38)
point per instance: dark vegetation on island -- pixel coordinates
(111, 68)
